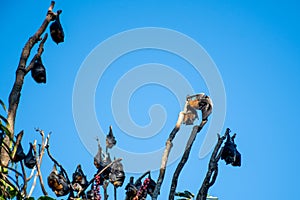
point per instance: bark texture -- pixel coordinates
(184, 158)
(165, 156)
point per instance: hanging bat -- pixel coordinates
(56, 30)
(38, 72)
(110, 139)
(20, 155)
(151, 186)
(58, 183)
(117, 175)
(190, 115)
(79, 178)
(131, 189)
(230, 153)
(201, 102)
(30, 160)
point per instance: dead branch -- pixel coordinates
(39, 159)
(33, 185)
(24, 189)
(38, 55)
(31, 174)
(165, 156)
(39, 173)
(184, 158)
(36, 175)
(212, 171)
(115, 193)
(105, 185)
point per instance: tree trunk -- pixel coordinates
(22, 70)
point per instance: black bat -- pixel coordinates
(38, 72)
(56, 30)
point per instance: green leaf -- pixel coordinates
(3, 105)
(3, 170)
(3, 119)
(12, 192)
(29, 198)
(5, 130)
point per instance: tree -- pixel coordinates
(9, 147)
(108, 171)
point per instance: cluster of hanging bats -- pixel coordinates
(138, 190)
(61, 186)
(58, 181)
(29, 158)
(114, 173)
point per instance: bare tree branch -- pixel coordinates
(115, 193)
(39, 173)
(184, 158)
(39, 158)
(24, 189)
(47, 146)
(33, 170)
(38, 54)
(31, 174)
(32, 186)
(212, 171)
(165, 156)
(105, 185)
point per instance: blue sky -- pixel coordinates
(254, 44)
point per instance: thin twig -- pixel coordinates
(37, 55)
(17, 180)
(39, 159)
(12, 169)
(115, 193)
(31, 174)
(39, 173)
(105, 185)
(4, 178)
(33, 185)
(33, 170)
(25, 178)
(47, 146)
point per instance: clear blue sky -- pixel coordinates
(254, 44)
